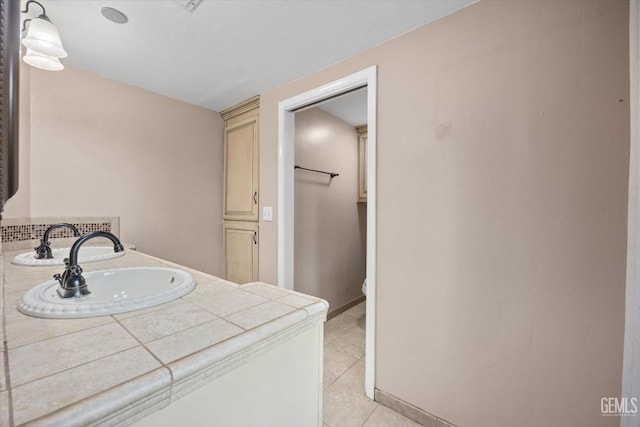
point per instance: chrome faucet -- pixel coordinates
(72, 284)
(44, 250)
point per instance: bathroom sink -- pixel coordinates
(112, 291)
(85, 255)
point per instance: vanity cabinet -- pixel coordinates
(362, 163)
(247, 355)
(241, 251)
(240, 200)
(241, 161)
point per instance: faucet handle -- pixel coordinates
(58, 277)
(75, 270)
(44, 250)
(42, 244)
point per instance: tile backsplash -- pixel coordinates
(24, 233)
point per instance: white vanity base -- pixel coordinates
(282, 387)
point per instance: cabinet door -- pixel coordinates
(362, 163)
(241, 251)
(241, 167)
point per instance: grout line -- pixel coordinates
(347, 370)
(374, 410)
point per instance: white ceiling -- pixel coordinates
(350, 107)
(225, 51)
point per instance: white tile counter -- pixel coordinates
(116, 370)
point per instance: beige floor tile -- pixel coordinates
(385, 417)
(344, 401)
(340, 321)
(346, 344)
(361, 322)
(336, 363)
(331, 332)
(344, 407)
(352, 350)
(327, 380)
(357, 310)
(354, 377)
(353, 335)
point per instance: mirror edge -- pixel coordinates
(9, 94)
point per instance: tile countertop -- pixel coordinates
(117, 369)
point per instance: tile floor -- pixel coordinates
(345, 404)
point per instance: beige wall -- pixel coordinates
(330, 226)
(503, 149)
(103, 148)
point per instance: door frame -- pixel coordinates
(286, 161)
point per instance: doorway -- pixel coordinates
(330, 216)
(286, 194)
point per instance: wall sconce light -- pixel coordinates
(44, 47)
(41, 61)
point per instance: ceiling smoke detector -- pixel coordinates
(114, 15)
(188, 4)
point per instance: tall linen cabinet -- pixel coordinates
(240, 199)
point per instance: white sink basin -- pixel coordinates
(85, 255)
(112, 291)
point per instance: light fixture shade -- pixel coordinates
(43, 62)
(43, 38)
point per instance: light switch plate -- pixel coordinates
(267, 213)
